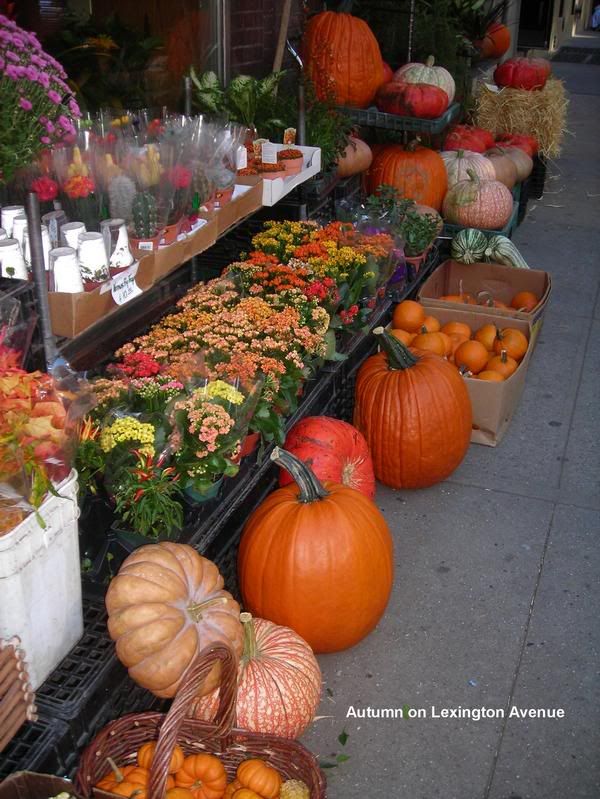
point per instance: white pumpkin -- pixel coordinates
(427, 73)
(459, 162)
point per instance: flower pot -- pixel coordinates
(249, 444)
(114, 271)
(417, 261)
(170, 233)
(92, 285)
(293, 165)
(144, 246)
(197, 497)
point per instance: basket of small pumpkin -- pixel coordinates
(181, 635)
(173, 756)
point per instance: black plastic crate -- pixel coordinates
(86, 678)
(523, 200)
(373, 118)
(44, 746)
(538, 177)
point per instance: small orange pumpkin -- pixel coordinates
(503, 364)
(448, 343)
(431, 342)
(465, 299)
(146, 753)
(409, 315)
(232, 788)
(204, 775)
(246, 793)
(486, 335)
(491, 376)
(513, 341)
(259, 777)
(524, 301)
(457, 328)
(403, 335)
(472, 356)
(179, 793)
(127, 789)
(126, 775)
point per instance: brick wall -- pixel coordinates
(254, 32)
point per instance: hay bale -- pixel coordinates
(542, 114)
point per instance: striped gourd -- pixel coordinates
(469, 246)
(501, 250)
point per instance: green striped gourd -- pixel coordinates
(501, 250)
(469, 246)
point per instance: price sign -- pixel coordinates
(124, 287)
(269, 153)
(241, 157)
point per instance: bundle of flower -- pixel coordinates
(37, 105)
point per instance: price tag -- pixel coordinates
(198, 224)
(241, 157)
(145, 245)
(238, 190)
(269, 153)
(124, 287)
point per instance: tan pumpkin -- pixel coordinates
(522, 161)
(165, 605)
(458, 162)
(504, 168)
(478, 203)
(427, 73)
(357, 157)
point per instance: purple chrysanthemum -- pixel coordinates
(25, 104)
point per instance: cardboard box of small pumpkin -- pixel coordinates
(488, 287)
(491, 351)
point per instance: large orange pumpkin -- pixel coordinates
(317, 558)
(495, 42)
(417, 172)
(279, 682)
(342, 58)
(165, 605)
(415, 412)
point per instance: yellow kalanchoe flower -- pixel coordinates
(127, 428)
(219, 388)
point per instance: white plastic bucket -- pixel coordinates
(40, 583)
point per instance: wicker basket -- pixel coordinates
(121, 739)
(16, 696)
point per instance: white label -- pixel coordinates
(124, 287)
(182, 237)
(198, 224)
(269, 153)
(238, 190)
(241, 157)
(145, 245)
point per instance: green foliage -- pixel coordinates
(417, 230)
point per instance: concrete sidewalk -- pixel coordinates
(497, 596)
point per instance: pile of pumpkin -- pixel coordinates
(201, 776)
(525, 301)
(488, 353)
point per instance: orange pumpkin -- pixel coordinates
(486, 335)
(524, 301)
(357, 157)
(495, 42)
(460, 329)
(430, 325)
(342, 59)
(466, 299)
(346, 571)
(417, 172)
(430, 342)
(503, 364)
(478, 204)
(490, 376)
(403, 335)
(146, 753)
(128, 789)
(204, 775)
(231, 789)
(409, 315)
(165, 605)
(179, 793)
(246, 793)
(126, 775)
(259, 777)
(448, 343)
(513, 341)
(415, 412)
(472, 356)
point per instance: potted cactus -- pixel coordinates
(144, 230)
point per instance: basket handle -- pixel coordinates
(191, 682)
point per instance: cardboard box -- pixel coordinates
(493, 403)
(242, 206)
(71, 314)
(502, 282)
(28, 785)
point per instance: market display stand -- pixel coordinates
(380, 120)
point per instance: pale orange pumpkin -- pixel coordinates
(479, 204)
(279, 682)
(165, 605)
(357, 157)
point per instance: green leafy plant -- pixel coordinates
(247, 100)
(417, 230)
(147, 497)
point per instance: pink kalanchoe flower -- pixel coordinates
(45, 139)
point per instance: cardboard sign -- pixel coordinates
(269, 153)
(124, 287)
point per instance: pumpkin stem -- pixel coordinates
(430, 61)
(249, 636)
(412, 145)
(473, 175)
(196, 609)
(119, 776)
(310, 487)
(399, 356)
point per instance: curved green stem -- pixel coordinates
(399, 356)
(310, 487)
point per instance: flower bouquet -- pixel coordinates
(37, 105)
(77, 186)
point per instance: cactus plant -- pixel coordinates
(202, 186)
(144, 215)
(121, 192)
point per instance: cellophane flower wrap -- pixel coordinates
(74, 168)
(38, 108)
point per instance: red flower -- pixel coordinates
(78, 187)
(45, 188)
(139, 364)
(180, 177)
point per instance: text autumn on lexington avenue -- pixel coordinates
(473, 713)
